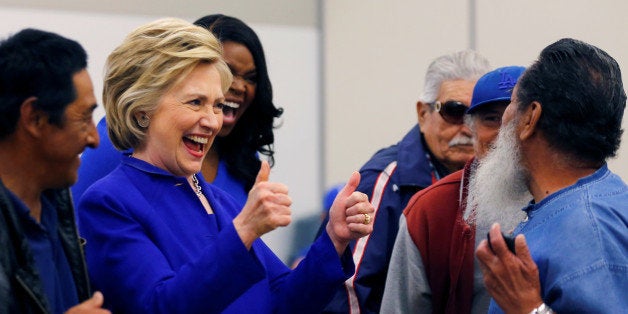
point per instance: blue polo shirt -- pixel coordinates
(50, 260)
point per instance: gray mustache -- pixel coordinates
(461, 140)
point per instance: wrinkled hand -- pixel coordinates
(346, 216)
(92, 305)
(267, 207)
(512, 280)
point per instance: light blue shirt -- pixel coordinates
(578, 237)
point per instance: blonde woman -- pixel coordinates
(162, 240)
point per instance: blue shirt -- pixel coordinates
(578, 237)
(151, 249)
(50, 260)
(228, 183)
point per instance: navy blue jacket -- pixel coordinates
(389, 178)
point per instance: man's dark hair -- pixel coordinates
(254, 131)
(40, 64)
(582, 98)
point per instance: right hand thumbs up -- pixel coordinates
(264, 172)
(267, 207)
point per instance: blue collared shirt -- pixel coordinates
(50, 260)
(578, 237)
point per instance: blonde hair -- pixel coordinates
(150, 60)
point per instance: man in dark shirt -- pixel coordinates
(46, 106)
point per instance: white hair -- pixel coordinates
(462, 65)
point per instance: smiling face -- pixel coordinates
(62, 144)
(185, 123)
(242, 90)
(450, 143)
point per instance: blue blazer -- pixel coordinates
(152, 248)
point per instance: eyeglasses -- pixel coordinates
(452, 111)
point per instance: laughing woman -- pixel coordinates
(249, 115)
(162, 240)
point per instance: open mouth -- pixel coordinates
(230, 109)
(195, 143)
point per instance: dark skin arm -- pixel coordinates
(512, 280)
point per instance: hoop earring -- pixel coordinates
(143, 121)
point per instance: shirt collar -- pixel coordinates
(48, 218)
(413, 167)
(597, 175)
(145, 166)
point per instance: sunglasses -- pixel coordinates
(452, 111)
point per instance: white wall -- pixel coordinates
(516, 32)
(274, 12)
(377, 52)
(376, 55)
(293, 62)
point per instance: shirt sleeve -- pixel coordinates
(310, 286)
(407, 289)
(598, 288)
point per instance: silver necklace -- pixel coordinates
(197, 186)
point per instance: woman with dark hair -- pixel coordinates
(232, 163)
(248, 115)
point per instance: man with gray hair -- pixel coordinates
(439, 145)
(432, 268)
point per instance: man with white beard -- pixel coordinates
(497, 189)
(563, 123)
(432, 269)
(438, 145)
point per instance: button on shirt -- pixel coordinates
(47, 250)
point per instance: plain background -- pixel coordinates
(347, 72)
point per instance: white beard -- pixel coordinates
(497, 188)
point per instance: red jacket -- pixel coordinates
(445, 240)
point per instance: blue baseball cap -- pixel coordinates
(496, 85)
